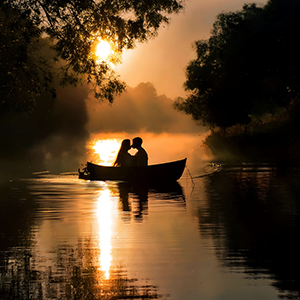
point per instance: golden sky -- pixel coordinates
(162, 61)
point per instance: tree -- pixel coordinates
(72, 29)
(24, 73)
(249, 66)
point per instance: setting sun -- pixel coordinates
(106, 150)
(103, 50)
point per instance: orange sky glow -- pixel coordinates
(162, 61)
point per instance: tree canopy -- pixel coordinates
(70, 28)
(249, 66)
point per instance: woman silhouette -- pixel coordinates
(124, 159)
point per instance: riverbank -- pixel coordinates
(273, 142)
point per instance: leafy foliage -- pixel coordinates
(72, 27)
(24, 73)
(249, 66)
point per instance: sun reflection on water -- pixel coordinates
(105, 212)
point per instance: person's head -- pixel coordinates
(125, 145)
(137, 142)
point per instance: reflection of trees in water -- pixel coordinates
(254, 220)
(16, 218)
(74, 273)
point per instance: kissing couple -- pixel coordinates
(125, 159)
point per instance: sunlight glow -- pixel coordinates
(103, 50)
(104, 216)
(105, 150)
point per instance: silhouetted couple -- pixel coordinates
(125, 159)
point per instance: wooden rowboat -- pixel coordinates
(166, 172)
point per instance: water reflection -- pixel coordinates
(253, 217)
(235, 234)
(134, 197)
(105, 212)
(57, 240)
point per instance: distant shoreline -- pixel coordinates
(277, 147)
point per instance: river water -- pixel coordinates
(232, 234)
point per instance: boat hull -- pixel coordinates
(166, 172)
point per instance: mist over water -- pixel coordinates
(139, 109)
(55, 137)
(52, 137)
(165, 147)
(167, 134)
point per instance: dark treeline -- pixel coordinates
(245, 79)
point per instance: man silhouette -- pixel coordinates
(141, 157)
